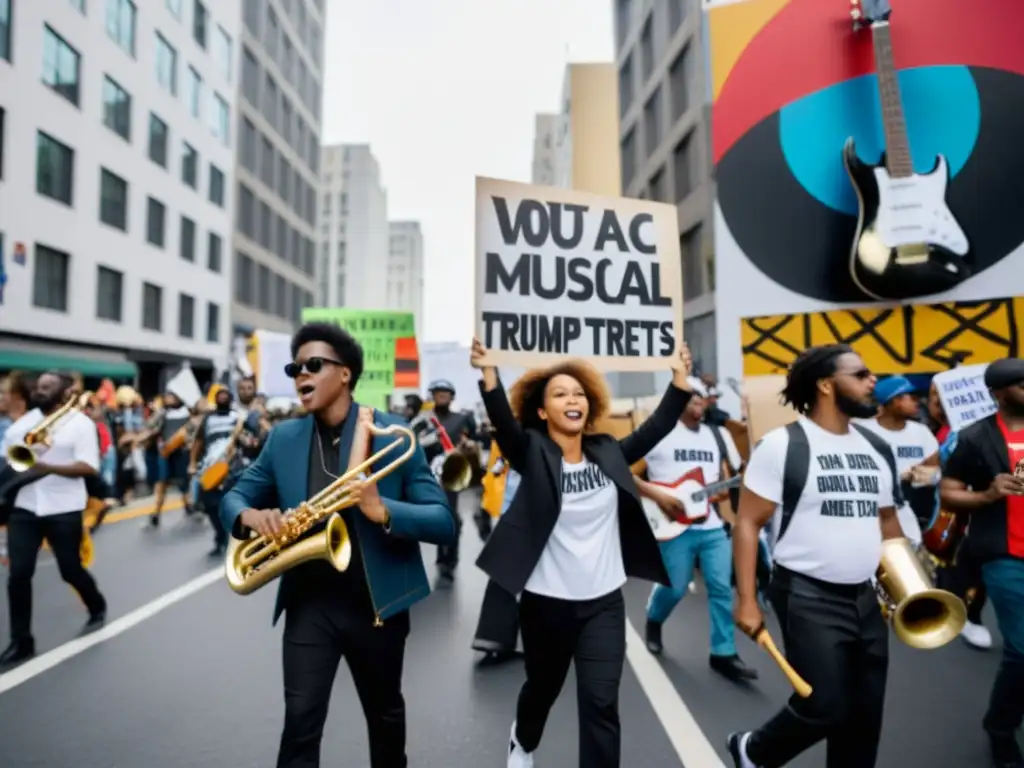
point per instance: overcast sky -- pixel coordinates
(444, 90)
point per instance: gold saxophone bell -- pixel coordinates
(255, 562)
(921, 615)
(456, 472)
(22, 456)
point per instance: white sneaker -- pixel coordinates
(517, 756)
(737, 744)
(977, 635)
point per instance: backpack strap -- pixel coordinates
(794, 475)
(723, 452)
(885, 450)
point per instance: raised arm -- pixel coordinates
(508, 434)
(255, 489)
(657, 426)
(422, 514)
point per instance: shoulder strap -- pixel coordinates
(723, 452)
(886, 452)
(794, 475)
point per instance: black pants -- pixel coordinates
(836, 638)
(593, 634)
(25, 534)
(317, 633)
(211, 505)
(448, 554)
(963, 577)
(498, 627)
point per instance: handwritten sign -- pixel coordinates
(963, 395)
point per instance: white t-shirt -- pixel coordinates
(582, 559)
(834, 534)
(910, 445)
(685, 449)
(73, 439)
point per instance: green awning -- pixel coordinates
(21, 360)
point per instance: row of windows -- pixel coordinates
(5, 29)
(259, 156)
(279, 47)
(51, 290)
(167, 75)
(257, 221)
(259, 287)
(200, 33)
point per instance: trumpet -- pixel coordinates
(24, 455)
(255, 562)
(453, 468)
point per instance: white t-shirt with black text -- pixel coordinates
(582, 559)
(685, 449)
(911, 446)
(834, 534)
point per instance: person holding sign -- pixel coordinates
(827, 487)
(572, 534)
(985, 476)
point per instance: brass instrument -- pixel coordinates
(255, 562)
(23, 456)
(921, 616)
(218, 468)
(175, 442)
(453, 468)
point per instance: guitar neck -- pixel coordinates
(897, 146)
(715, 488)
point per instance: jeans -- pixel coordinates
(715, 553)
(1004, 581)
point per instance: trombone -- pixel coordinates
(24, 455)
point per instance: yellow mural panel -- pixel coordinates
(923, 338)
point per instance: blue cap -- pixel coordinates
(888, 389)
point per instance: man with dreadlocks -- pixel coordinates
(827, 487)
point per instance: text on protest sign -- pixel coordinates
(963, 395)
(562, 273)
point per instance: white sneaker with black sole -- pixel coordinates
(517, 756)
(977, 635)
(737, 744)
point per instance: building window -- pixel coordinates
(267, 163)
(250, 77)
(156, 222)
(265, 221)
(152, 307)
(628, 150)
(626, 86)
(246, 212)
(223, 53)
(121, 24)
(200, 17)
(189, 165)
(174, 6)
(187, 244)
(61, 66)
(166, 65)
(219, 120)
(272, 33)
(657, 187)
(159, 137)
(216, 185)
(109, 294)
(243, 279)
(117, 108)
(212, 322)
(646, 50)
(247, 140)
(678, 83)
(676, 14)
(186, 316)
(194, 92)
(213, 252)
(50, 279)
(652, 122)
(5, 29)
(113, 200)
(270, 100)
(280, 297)
(54, 168)
(251, 14)
(683, 168)
(263, 287)
(690, 252)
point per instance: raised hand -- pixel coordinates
(682, 366)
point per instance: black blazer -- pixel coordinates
(980, 455)
(518, 540)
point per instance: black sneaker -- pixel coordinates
(736, 751)
(652, 636)
(1006, 751)
(17, 652)
(732, 668)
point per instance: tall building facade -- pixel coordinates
(664, 109)
(405, 269)
(353, 234)
(545, 143)
(278, 162)
(116, 146)
(586, 152)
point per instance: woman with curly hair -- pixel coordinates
(572, 535)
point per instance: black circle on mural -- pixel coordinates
(804, 246)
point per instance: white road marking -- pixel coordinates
(688, 740)
(62, 653)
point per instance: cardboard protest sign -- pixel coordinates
(562, 274)
(963, 395)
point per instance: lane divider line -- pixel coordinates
(119, 626)
(688, 740)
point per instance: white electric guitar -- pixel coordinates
(694, 495)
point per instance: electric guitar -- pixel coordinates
(907, 243)
(694, 494)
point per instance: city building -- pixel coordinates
(353, 270)
(116, 143)
(278, 163)
(545, 142)
(405, 269)
(664, 107)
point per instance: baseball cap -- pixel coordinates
(888, 389)
(441, 385)
(1004, 373)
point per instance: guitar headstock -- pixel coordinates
(865, 12)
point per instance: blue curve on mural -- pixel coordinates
(943, 114)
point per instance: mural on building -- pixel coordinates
(792, 81)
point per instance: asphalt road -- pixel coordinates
(200, 683)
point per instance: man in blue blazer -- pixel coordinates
(361, 613)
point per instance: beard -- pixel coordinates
(45, 403)
(855, 409)
(1013, 408)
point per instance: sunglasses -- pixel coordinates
(312, 365)
(861, 375)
